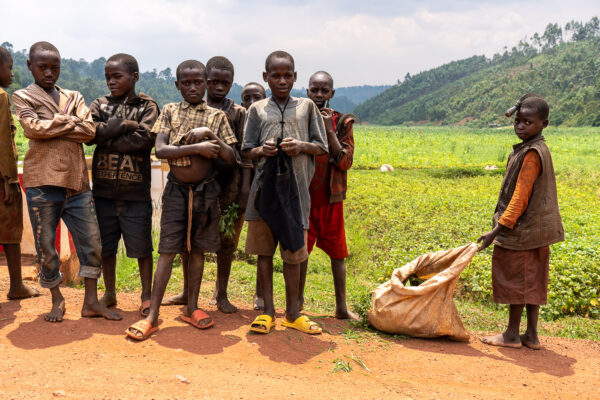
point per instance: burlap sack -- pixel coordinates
(426, 310)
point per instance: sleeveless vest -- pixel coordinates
(540, 225)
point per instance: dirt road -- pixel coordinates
(92, 359)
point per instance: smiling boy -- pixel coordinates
(121, 173)
(56, 121)
(11, 204)
(297, 124)
(190, 135)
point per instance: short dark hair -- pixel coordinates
(190, 64)
(219, 62)
(327, 74)
(253, 84)
(4, 55)
(537, 105)
(279, 54)
(42, 46)
(127, 60)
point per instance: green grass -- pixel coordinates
(439, 197)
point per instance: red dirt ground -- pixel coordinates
(92, 359)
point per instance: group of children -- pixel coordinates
(216, 151)
(279, 163)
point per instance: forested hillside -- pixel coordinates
(88, 78)
(562, 65)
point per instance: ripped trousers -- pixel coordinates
(47, 205)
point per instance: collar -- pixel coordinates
(200, 106)
(529, 141)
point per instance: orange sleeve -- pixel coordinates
(530, 170)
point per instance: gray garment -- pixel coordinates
(303, 122)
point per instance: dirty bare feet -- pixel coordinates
(22, 292)
(108, 300)
(96, 309)
(214, 302)
(503, 340)
(259, 303)
(531, 341)
(58, 310)
(346, 314)
(225, 306)
(177, 300)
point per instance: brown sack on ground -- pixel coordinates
(426, 310)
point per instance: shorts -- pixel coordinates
(260, 241)
(130, 219)
(11, 215)
(520, 276)
(326, 229)
(194, 228)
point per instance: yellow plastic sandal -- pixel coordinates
(303, 324)
(262, 324)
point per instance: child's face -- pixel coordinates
(119, 80)
(219, 83)
(252, 94)
(280, 77)
(45, 68)
(192, 85)
(6, 74)
(320, 90)
(528, 123)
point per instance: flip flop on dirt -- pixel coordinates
(262, 324)
(498, 340)
(303, 324)
(527, 343)
(141, 330)
(145, 308)
(197, 317)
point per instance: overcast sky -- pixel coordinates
(359, 42)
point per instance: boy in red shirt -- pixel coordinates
(328, 191)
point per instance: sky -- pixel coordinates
(360, 42)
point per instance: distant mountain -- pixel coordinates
(88, 78)
(562, 65)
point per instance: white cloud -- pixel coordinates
(357, 44)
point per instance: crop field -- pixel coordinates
(441, 196)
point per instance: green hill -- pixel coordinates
(562, 65)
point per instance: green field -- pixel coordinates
(439, 197)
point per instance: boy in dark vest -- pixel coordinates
(526, 222)
(328, 191)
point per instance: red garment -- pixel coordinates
(326, 229)
(319, 186)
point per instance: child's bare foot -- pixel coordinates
(213, 301)
(58, 310)
(108, 300)
(177, 300)
(503, 340)
(259, 303)
(96, 309)
(346, 314)
(22, 292)
(225, 306)
(531, 341)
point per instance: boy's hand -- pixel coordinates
(327, 114)
(12, 192)
(196, 135)
(292, 147)
(488, 238)
(269, 149)
(208, 149)
(130, 126)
